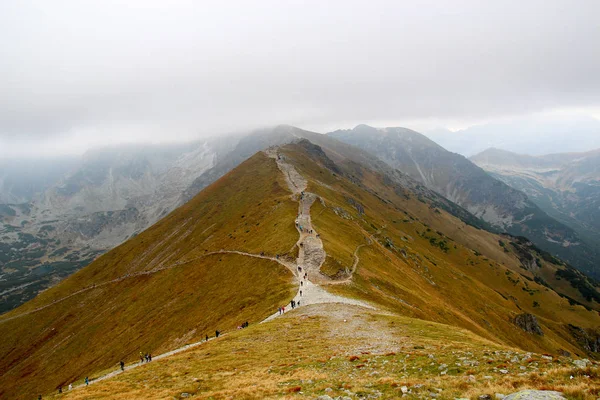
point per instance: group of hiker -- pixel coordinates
(147, 357)
(70, 387)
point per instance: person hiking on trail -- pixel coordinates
(149, 357)
(301, 293)
(122, 365)
(217, 333)
(146, 357)
(87, 380)
(70, 386)
(60, 389)
(301, 283)
(141, 357)
(298, 303)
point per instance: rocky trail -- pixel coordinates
(351, 327)
(311, 256)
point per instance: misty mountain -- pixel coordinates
(530, 135)
(21, 180)
(110, 195)
(459, 180)
(564, 185)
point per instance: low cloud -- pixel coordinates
(78, 74)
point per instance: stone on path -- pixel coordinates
(535, 395)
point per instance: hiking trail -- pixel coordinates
(311, 257)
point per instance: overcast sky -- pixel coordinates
(79, 73)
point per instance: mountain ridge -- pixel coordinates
(459, 180)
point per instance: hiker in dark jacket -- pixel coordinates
(122, 366)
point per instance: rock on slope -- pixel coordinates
(459, 180)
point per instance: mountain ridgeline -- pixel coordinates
(464, 183)
(220, 259)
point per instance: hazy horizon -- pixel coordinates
(76, 76)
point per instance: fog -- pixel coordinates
(77, 74)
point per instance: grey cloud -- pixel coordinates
(184, 68)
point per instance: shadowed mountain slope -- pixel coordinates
(459, 180)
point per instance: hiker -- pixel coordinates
(70, 386)
(146, 357)
(60, 389)
(207, 338)
(122, 365)
(87, 380)
(301, 283)
(141, 357)
(217, 333)
(301, 293)
(149, 357)
(283, 310)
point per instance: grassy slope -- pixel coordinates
(411, 276)
(248, 209)
(339, 351)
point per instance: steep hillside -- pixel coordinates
(467, 185)
(110, 195)
(161, 289)
(229, 255)
(414, 265)
(566, 186)
(334, 351)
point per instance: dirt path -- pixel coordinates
(311, 256)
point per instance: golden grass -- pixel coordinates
(405, 269)
(325, 349)
(248, 210)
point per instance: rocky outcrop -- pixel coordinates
(588, 340)
(528, 323)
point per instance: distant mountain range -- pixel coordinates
(531, 135)
(464, 183)
(55, 222)
(99, 201)
(564, 185)
(229, 255)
